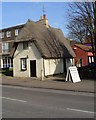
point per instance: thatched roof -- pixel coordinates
(49, 41)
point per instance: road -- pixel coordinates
(20, 102)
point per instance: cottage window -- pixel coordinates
(8, 33)
(2, 35)
(25, 45)
(23, 64)
(5, 47)
(16, 32)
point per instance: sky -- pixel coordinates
(14, 13)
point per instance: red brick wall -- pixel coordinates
(81, 54)
(10, 46)
(10, 40)
(12, 29)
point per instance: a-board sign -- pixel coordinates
(72, 74)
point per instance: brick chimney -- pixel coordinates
(44, 16)
(44, 20)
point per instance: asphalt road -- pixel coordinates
(20, 102)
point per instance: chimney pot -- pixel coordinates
(44, 16)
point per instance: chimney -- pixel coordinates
(44, 20)
(44, 16)
(41, 17)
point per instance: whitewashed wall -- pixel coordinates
(33, 54)
(53, 66)
(44, 67)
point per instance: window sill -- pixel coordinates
(23, 70)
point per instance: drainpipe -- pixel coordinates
(43, 71)
(42, 78)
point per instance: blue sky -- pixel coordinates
(14, 13)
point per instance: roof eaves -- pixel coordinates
(22, 40)
(83, 48)
(16, 26)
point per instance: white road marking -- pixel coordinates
(13, 99)
(78, 110)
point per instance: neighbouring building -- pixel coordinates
(7, 37)
(41, 50)
(83, 55)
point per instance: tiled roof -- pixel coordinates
(84, 47)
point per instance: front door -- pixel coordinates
(33, 68)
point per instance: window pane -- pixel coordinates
(25, 45)
(2, 35)
(5, 47)
(23, 64)
(8, 34)
(16, 32)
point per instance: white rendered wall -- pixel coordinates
(33, 54)
(53, 66)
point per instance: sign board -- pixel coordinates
(72, 74)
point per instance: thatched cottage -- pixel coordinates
(41, 50)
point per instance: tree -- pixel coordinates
(77, 31)
(94, 7)
(82, 23)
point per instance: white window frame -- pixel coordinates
(5, 47)
(2, 35)
(8, 33)
(23, 62)
(16, 32)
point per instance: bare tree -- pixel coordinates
(76, 31)
(82, 23)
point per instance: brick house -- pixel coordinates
(83, 55)
(7, 36)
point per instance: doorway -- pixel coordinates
(64, 65)
(33, 68)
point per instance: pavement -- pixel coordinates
(51, 82)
